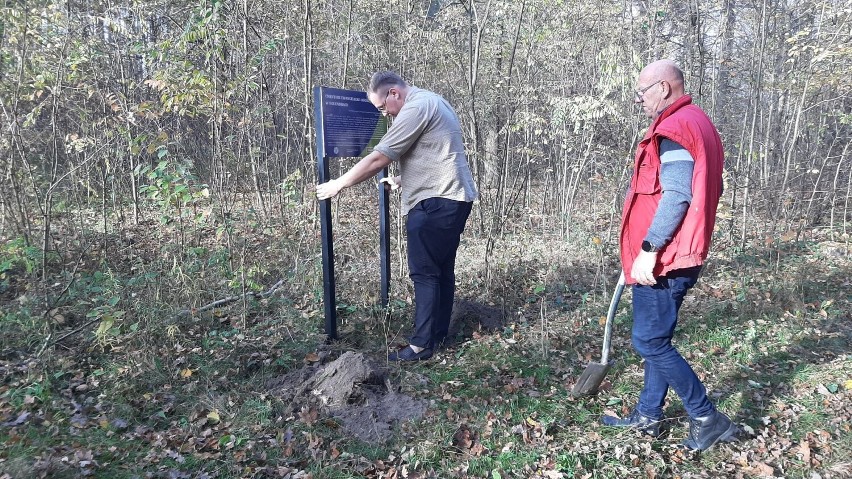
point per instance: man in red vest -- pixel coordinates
(666, 226)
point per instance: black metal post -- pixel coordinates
(329, 302)
(384, 238)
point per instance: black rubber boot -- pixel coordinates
(644, 424)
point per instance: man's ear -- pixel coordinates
(668, 92)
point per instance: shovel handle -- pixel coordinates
(610, 315)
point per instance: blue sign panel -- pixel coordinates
(347, 125)
(351, 125)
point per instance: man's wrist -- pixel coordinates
(649, 247)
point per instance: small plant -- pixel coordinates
(172, 186)
(17, 255)
(100, 293)
(290, 189)
(36, 392)
(110, 321)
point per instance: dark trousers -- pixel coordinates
(434, 229)
(655, 313)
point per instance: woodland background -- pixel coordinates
(95, 96)
(159, 229)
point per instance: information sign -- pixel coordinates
(350, 123)
(347, 125)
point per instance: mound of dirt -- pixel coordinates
(352, 389)
(469, 316)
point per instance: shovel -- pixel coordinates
(595, 373)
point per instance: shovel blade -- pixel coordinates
(591, 379)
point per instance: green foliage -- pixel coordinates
(109, 327)
(171, 185)
(184, 91)
(37, 391)
(16, 254)
(101, 295)
(290, 189)
(247, 277)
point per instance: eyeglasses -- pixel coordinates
(641, 92)
(384, 106)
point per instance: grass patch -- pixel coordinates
(161, 394)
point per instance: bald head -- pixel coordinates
(662, 82)
(665, 70)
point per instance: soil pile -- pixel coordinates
(353, 390)
(469, 316)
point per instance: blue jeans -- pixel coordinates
(655, 310)
(434, 229)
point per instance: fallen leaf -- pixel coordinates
(805, 451)
(762, 469)
(477, 449)
(22, 418)
(308, 415)
(464, 438)
(185, 373)
(213, 417)
(650, 472)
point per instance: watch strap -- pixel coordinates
(649, 247)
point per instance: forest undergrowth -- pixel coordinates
(182, 349)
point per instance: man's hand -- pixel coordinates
(329, 189)
(643, 268)
(392, 183)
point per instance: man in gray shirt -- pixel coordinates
(425, 139)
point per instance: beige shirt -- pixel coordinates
(426, 139)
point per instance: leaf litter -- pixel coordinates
(788, 385)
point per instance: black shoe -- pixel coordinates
(408, 354)
(636, 420)
(708, 430)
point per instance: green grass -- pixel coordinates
(768, 336)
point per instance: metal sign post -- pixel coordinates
(384, 239)
(347, 125)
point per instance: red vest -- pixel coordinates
(687, 125)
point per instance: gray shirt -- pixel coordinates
(676, 165)
(426, 139)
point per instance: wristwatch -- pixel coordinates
(648, 247)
